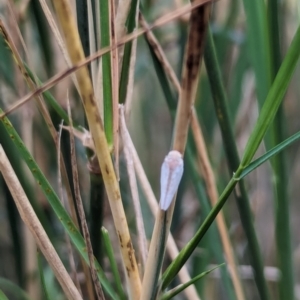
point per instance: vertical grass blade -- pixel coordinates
(66, 19)
(243, 204)
(106, 71)
(282, 214)
(55, 203)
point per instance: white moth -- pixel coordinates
(170, 176)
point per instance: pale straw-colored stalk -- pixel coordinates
(208, 174)
(80, 64)
(32, 222)
(190, 76)
(75, 50)
(142, 241)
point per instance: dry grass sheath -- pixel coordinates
(81, 213)
(75, 50)
(81, 63)
(30, 219)
(206, 166)
(190, 76)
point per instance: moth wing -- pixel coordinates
(171, 173)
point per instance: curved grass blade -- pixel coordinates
(13, 289)
(273, 100)
(242, 200)
(2, 296)
(172, 293)
(113, 263)
(131, 24)
(269, 154)
(268, 111)
(55, 203)
(186, 252)
(42, 277)
(106, 71)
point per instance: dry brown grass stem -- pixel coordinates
(156, 47)
(207, 169)
(80, 64)
(142, 240)
(81, 213)
(172, 249)
(212, 193)
(122, 14)
(61, 197)
(54, 28)
(75, 50)
(30, 219)
(190, 74)
(43, 109)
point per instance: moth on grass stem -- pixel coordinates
(170, 176)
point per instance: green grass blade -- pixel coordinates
(113, 263)
(273, 100)
(50, 100)
(42, 28)
(55, 203)
(214, 242)
(171, 102)
(171, 294)
(2, 296)
(131, 25)
(282, 215)
(188, 249)
(6, 64)
(220, 102)
(269, 154)
(42, 277)
(82, 23)
(13, 289)
(259, 46)
(106, 71)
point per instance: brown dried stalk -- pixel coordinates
(76, 66)
(75, 50)
(32, 222)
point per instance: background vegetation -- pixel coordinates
(246, 103)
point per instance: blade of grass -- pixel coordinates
(113, 263)
(54, 202)
(275, 95)
(67, 22)
(163, 67)
(42, 277)
(125, 72)
(67, 238)
(2, 296)
(81, 213)
(106, 71)
(153, 204)
(13, 289)
(220, 102)
(273, 100)
(198, 22)
(31, 220)
(282, 217)
(80, 64)
(259, 46)
(172, 293)
(142, 240)
(269, 154)
(212, 192)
